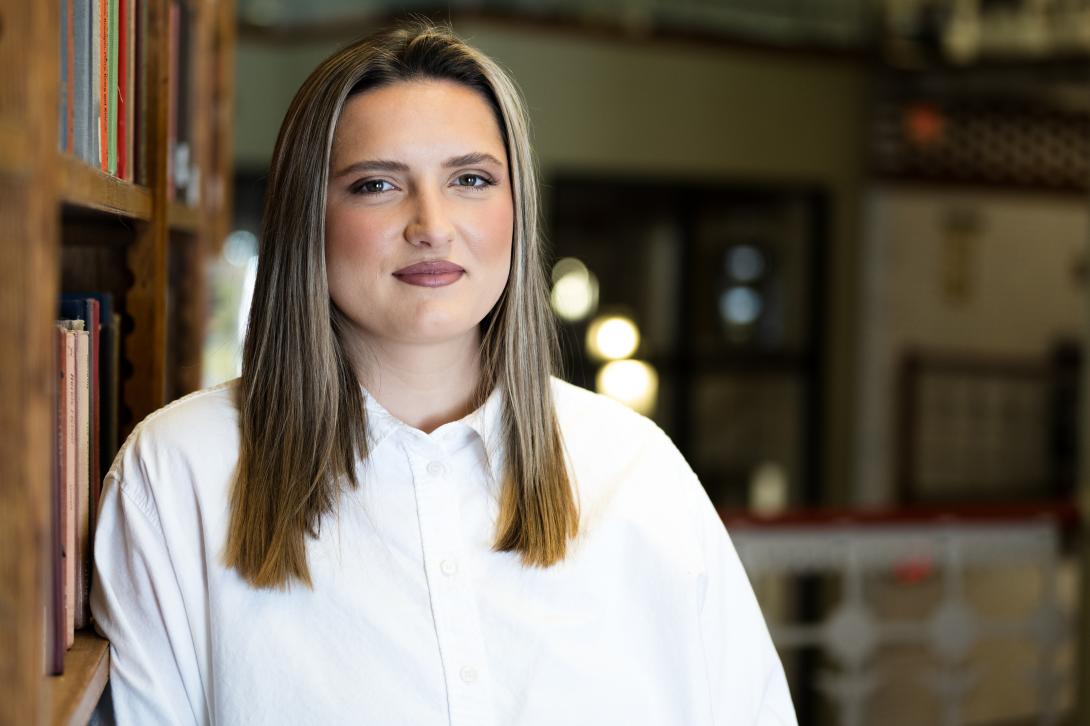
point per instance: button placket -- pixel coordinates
(457, 621)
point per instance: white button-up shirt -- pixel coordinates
(413, 619)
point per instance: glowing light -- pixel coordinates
(575, 290)
(740, 305)
(745, 263)
(612, 337)
(632, 382)
(768, 488)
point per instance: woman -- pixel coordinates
(396, 515)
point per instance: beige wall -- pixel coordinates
(657, 108)
(1022, 294)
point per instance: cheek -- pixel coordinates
(350, 238)
(499, 232)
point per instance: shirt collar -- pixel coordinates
(486, 421)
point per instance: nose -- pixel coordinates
(429, 225)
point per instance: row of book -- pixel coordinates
(86, 378)
(102, 105)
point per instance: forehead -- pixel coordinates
(416, 117)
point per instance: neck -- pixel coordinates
(424, 386)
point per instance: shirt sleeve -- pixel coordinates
(745, 675)
(138, 607)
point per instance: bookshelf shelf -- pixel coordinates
(183, 217)
(86, 669)
(89, 188)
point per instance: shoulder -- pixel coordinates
(579, 406)
(630, 478)
(601, 424)
(195, 437)
(613, 450)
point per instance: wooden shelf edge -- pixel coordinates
(184, 218)
(84, 186)
(75, 694)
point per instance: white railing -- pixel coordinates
(969, 596)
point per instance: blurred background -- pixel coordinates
(837, 250)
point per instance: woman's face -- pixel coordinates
(419, 213)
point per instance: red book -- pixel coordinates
(58, 621)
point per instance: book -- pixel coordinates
(129, 86)
(83, 480)
(107, 383)
(124, 53)
(56, 620)
(68, 512)
(83, 315)
(86, 307)
(111, 86)
(63, 106)
(82, 119)
(98, 121)
(140, 106)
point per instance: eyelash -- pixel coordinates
(361, 186)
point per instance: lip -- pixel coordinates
(430, 273)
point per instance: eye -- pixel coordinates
(477, 181)
(371, 186)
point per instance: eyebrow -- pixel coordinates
(475, 157)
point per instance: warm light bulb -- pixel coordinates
(575, 290)
(613, 337)
(632, 382)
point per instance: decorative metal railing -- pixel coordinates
(857, 634)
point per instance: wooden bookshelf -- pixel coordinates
(66, 226)
(84, 187)
(183, 218)
(75, 694)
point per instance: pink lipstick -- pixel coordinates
(435, 273)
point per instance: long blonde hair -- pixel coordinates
(302, 417)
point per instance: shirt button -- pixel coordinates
(448, 567)
(436, 468)
(468, 674)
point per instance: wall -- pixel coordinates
(1023, 292)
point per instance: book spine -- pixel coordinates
(57, 623)
(95, 325)
(130, 88)
(141, 110)
(82, 141)
(94, 31)
(65, 80)
(70, 74)
(123, 99)
(83, 463)
(112, 86)
(69, 514)
(103, 86)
